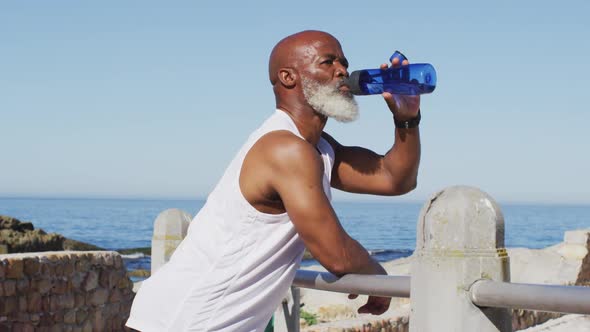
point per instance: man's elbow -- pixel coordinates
(410, 186)
(343, 262)
(403, 188)
(337, 268)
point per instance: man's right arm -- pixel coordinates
(297, 174)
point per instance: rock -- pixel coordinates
(562, 264)
(564, 324)
(74, 245)
(129, 251)
(7, 222)
(30, 241)
(98, 297)
(139, 273)
(91, 281)
(23, 237)
(20, 237)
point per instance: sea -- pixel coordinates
(386, 229)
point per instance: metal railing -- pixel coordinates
(459, 241)
(553, 298)
(483, 293)
(361, 284)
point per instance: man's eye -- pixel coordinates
(329, 62)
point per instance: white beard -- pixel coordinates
(329, 101)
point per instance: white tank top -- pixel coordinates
(235, 265)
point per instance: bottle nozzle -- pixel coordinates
(353, 83)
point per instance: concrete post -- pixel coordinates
(460, 239)
(169, 229)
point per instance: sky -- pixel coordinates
(146, 99)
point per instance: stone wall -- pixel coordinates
(64, 291)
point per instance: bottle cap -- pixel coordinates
(398, 55)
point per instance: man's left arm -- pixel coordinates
(360, 170)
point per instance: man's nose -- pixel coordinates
(341, 71)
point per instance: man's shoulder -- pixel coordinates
(283, 145)
(279, 157)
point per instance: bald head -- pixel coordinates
(296, 49)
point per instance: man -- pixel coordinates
(243, 248)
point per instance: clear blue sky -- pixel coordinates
(152, 99)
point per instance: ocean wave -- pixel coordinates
(135, 255)
(380, 255)
(389, 251)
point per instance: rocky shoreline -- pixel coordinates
(18, 236)
(22, 236)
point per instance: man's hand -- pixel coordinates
(403, 107)
(375, 305)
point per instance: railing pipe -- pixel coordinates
(291, 312)
(563, 299)
(377, 285)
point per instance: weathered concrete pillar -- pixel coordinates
(169, 229)
(460, 239)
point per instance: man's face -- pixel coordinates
(323, 70)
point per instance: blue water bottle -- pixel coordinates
(412, 79)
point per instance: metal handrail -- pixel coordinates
(483, 293)
(563, 299)
(361, 284)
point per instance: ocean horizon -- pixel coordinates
(348, 198)
(386, 229)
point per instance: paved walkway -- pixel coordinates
(568, 323)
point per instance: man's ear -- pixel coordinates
(287, 76)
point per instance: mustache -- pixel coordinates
(341, 83)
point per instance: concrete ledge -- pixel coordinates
(568, 323)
